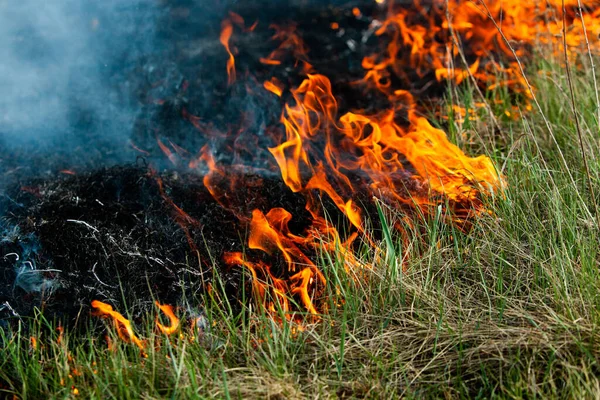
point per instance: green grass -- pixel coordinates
(509, 310)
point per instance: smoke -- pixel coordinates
(76, 76)
(65, 70)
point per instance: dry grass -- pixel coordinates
(509, 310)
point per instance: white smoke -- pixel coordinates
(57, 56)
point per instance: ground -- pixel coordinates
(509, 309)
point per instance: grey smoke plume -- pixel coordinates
(62, 66)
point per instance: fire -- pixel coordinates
(226, 32)
(122, 324)
(303, 279)
(434, 39)
(168, 311)
(270, 233)
(388, 154)
(375, 146)
(274, 86)
(227, 27)
(264, 282)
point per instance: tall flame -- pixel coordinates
(226, 32)
(435, 36)
(393, 154)
(375, 147)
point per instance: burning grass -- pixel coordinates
(510, 310)
(506, 308)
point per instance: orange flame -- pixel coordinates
(226, 32)
(433, 38)
(393, 154)
(266, 283)
(274, 86)
(270, 233)
(168, 311)
(122, 324)
(373, 146)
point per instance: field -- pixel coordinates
(509, 309)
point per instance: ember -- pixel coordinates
(263, 146)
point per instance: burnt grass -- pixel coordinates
(507, 310)
(115, 236)
(103, 229)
